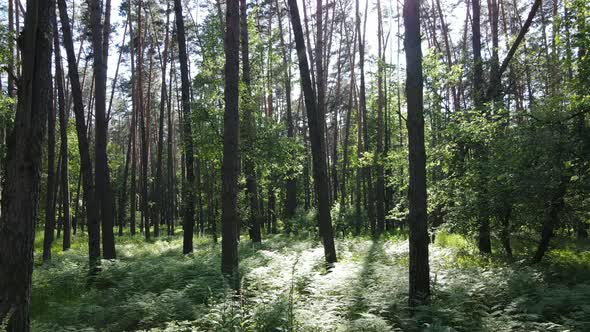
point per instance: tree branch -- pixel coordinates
(519, 38)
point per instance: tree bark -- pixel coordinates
(316, 122)
(63, 129)
(143, 119)
(123, 194)
(102, 176)
(344, 172)
(484, 242)
(23, 169)
(231, 140)
(419, 269)
(51, 183)
(170, 155)
(249, 132)
(92, 217)
(379, 155)
(159, 199)
(188, 194)
(367, 172)
(291, 182)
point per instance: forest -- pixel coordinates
(294, 165)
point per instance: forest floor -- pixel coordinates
(153, 287)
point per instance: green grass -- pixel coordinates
(285, 287)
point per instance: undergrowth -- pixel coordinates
(286, 287)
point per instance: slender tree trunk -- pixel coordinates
(170, 154)
(159, 199)
(143, 127)
(344, 172)
(484, 242)
(133, 129)
(419, 268)
(102, 176)
(188, 194)
(230, 165)
(309, 44)
(495, 88)
(506, 230)
(363, 110)
(123, 194)
(291, 182)
(249, 132)
(316, 122)
(379, 156)
(23, 169)
(63, 129)
(92, 217)
(51, 174)
(335, 106)
(272, 216)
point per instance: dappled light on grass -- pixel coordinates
(286, 287)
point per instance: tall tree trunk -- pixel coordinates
(419, 268)
(63, 129)
(123, 194)
(379, 156)
(368, 177)
(231, 141)
(51, 183)
(351, 91)
(495, 88)
(188, 194)
(170, 154)
(309, 44)
(23, 169)
(335, 105)
(92, 217)
(316, 122)
(249, 132)
(484, 242)
(102, 176)
(133, 129)
(291, 182)
(159, 199)
(143, 119)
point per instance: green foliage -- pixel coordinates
(285, 287)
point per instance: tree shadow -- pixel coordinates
(360, 304)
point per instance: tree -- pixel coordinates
(163, 102)
(291, 182)
(367, 174)
(100, 33)
(188, 195)
(92, 217)
(249, 132)
(143, 119)
(419, 268)
(63, 130)
(50, 196)
(23, 168)
(316, 121)
(379, 156)
(484, 243)
(231, 131)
